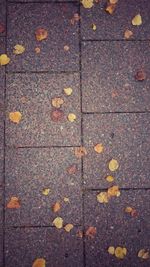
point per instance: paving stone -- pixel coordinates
(108, 76)
(28, 172)
(1, 210)
(57, 247)
(117, 228)
(112, 27)
(32, 95)
(24, 19)
(1, 247)
(126, 138)
(2, 15)
(1, 166)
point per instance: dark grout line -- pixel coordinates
(44, 2)
(34, 226)
(42, 72)
(39, 147)
(116, 112)
(114, 40)
(120, 188)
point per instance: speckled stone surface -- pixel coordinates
(2, 16)
(28, 172)
(1, 167)
(126, 138)
(108, 76)
(32, 95)
(112, 27)
(42, 1)
(117, 228)
(24, 19)
(57, 247)
(1, 247)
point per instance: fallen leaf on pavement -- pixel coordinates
(137, 20)
(111, 250)
(99, 148)
(113, 165)
(66, 48)
(94, 27)
(76, 18)
(4, 59)
(57, 115)
(68, 227)
(131, 211)
(140, 75)
(80, 152)
(72, 169)
(41, 34)
(58, 222)
(110, 178)
(56, 207)
(14, 203)
(2, 28)
(128, 34)
(110, 8)
(103, 197)
(120, 252)
(15, 116)
(45, 191)
(113, 191)
(18, 49)
(68, 91)
(91, 232)
(79, 234)
(57, 102)
(39, 263)
(113, 1)
(87, 3)
(71, 117)
(143, 254)
(66, 199)
(37, 50)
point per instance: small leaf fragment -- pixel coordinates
(80, 152)
(68, 91)
(111, 250)
(110, 178)
(120, 252)
(110, 8)
(103, 197)
(18, 49)
(71, 117)
(113, 191)
(58, 222)
(57, 102)
(94, 27)
(137, 20)
(15, 116)
(4, 59)
(41, 34)
(57, 115)
(56, 207)
(113, 1)
(128, 34)
(87, 3)
(46, 191)
(113, 165)
(79, 234)
(128, 209)
(140, 75)
(39, 263)
(37, 50)
(66, 199)
(143, 254)
(68, 227)
(14, 203)
(2, 28)
(99, 148)
(66, 48)
(91, 232)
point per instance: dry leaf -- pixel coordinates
(143, 254)
(2, 28)
(66, 48)
(87, 3)
(80, 152)
(41, 34)
(72, 169)
(103, 197)
(113, 1)
(45, 191)
(110, 8)
(128, 34)
(113, 191)
(68, 227)
(57, 102)
(58, 222)
(110, 178)
(91, 232)
(57, 115)
(140, 75)
(128, 209)
(94, 27)
(68, 91)
(113, 165)
(79, 234)
(120, 252)
(4, 59)
(66, 199)
(71, 117)
(39, 263)
(37, 50)
(111, 250)
(137, 20)
(132, 211)
(15, 116)
(99, 148)
(14, 203)
(76, 18)
(56, 207)
(18, 49)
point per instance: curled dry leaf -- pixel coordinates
(140, 75)
(113, 191)
(39, 263)
(111, 250)
(87, 3)
(2, 28)
(103, 197)
(72, 169)
(57, 115)
(68, 91)
(14, 203)
(110, 8)
(46, 191)
(120, 252)
(66, 200)
(80, 152)
(68, 227)
(99, 148)
(110, 178)
(113, 1)
(128, 34)
(18, 49)
(56, 207)
(37, 50)
(131, 211)
(71, 117)
(94, 27)
(91, 232)
(79, 234)
(15, 116)
(41, 34)
(57, 102)
(76, 18)
(113, 165)
(137, 20)
(58, 222)
(66, 48)
(4, 59)
(143, 254)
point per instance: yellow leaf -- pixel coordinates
(68, 227)
(71, 117)
(45, 191)
(66, 199)
(120, 252)
(15, 116)
(41, 34)
(111, 250)
(87, 3)
(68, 91)
(110, 178)
(39, 263)
(128, 34)
(4, 59)
(143, 254)
(113, 165)
(18, 49)
(80, 152)
(103, 197)
(137, 20)
(56, 207)
(128, 209)
(57, 102)
(94, 27)
(110, 8)
(99, 148)
(58, 222)
(113, 191)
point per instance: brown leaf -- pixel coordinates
(14, 203)
(113, 191)
(72, 169)
(66, 48)
(2, 28)
(57, 115)
(41, 34)
(57, 102)
(80, 152)
(56, 207)
(99, 148)
(128, 34)
(110, 8)
(91, 232)
(39, 263)
(79, 234)
(140, 75)
(68, 227)
(37, 50)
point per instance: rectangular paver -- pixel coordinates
(117, 228)
(29, 171)
(125, 138)
(2, 18)
(32, 96)
(58, 248)
(112, 27)
(1, 247)
(25, 19)
(108, 76)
